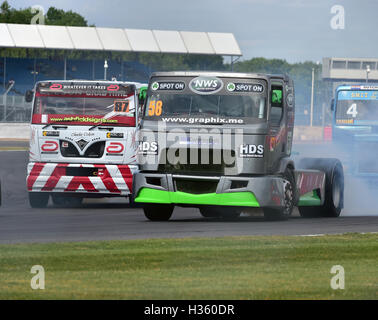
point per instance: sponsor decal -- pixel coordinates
(81, 134)
(56, 86)
(50, 147)
(357, 95)
(115, 149)
(245, 87)
(99, 173)
(212, 120)
(206, 85)
(365, 87)
(168, 85)
(344, 121)
(155, 86)
(148, 148)
(113, 87)
(198, 141)
(114, 135)
(251, 151)
(50, 133)
(111, 119)
(83, 119)
(85, 89)
(64, 144)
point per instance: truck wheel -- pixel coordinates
(284, 212)
(158, 212)
(334, 188)
(132, 203)
(68, 202)
(38, 199)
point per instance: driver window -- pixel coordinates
(276, 110)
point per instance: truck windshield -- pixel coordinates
(79, 110)
(357, 107)
(194, 108)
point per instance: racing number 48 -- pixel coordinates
(155, 108)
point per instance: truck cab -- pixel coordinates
(355, 128)
(220, 142)
(83, 140)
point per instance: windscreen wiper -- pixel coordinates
(54, 126)
(100, 128)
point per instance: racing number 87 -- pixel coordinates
(155, 108)
(121, 106)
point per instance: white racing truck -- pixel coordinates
(83, 141)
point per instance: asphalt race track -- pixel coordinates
(105, 219)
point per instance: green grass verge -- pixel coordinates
(199, 268)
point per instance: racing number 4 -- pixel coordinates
(352, 110)
(155, 108)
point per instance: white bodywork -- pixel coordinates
(83, 158)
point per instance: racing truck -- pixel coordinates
(83, 140)
(221, 142)
(355, 129)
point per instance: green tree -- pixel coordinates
(11, 15)
(59, 17)
(54, 16)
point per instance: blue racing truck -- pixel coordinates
(355, 128)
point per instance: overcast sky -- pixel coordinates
(295, 30)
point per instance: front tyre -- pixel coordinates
(283, 213)
(158, 212)
(38, 199)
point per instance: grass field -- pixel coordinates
(208, 268)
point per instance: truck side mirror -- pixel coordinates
(276, 96)
(29, 96)
(332, 104)
(142, 95)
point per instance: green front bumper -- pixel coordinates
(240, 199)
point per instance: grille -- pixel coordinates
(367, 157)
(196, 186)
(96, 150)
(207, 162)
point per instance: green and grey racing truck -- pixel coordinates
(221, 142)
